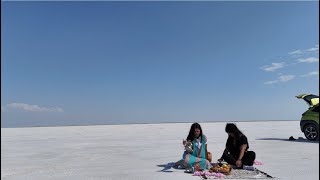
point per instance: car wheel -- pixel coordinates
(311, 132)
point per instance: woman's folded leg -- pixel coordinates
(248, 158)
(229, 158)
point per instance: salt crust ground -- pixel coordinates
(138, 151)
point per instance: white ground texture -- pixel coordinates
(139, 151)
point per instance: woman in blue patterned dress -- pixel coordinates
(198, 157)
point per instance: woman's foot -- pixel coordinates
(169, 165)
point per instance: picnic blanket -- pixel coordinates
(237, 174)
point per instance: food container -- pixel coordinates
(221, 168)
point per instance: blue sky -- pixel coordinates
(76, 63)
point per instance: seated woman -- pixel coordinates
(198, 157)
(236, 152)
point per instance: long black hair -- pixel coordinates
(232, 128)
(191, 132)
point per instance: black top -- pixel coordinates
(233, 144)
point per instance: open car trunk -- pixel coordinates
(311, 99)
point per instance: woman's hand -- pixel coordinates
(238, 163)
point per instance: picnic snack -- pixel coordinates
(215, 168)
(225, 168)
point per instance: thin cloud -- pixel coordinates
(310, 50)
(271, 82)
(285, 78)
(31, 108)
(295, 52)
(308, 60)
(314, 49)
(273, 66)
(281, 79)
(313, 73)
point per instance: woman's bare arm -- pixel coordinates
(243, 148)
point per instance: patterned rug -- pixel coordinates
(242, 174)
(246, 174)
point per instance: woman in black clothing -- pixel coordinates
(236, 151)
